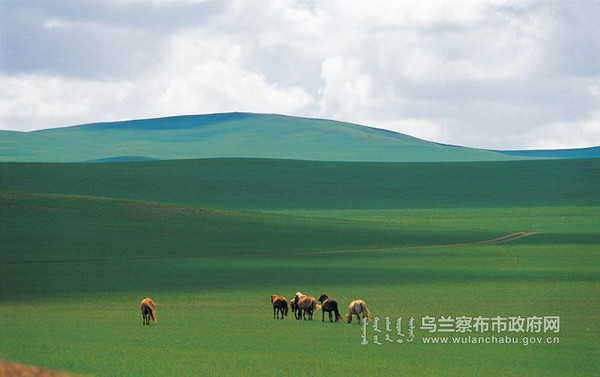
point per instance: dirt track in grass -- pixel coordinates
(19, 370)
(494, 241)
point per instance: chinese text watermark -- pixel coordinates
(524, 330)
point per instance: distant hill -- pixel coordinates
(238, 135)
(592, 152)
(241, 135)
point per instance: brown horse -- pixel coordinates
(147, 307)
(358, 307)
(303, 305)
(280, 305)
(329, 305)
(294, 304)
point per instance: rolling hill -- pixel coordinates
(229, 135)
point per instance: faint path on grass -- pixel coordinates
(494, 241)
(19, 370)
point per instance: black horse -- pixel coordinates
(329, 305)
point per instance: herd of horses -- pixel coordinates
(304, 306)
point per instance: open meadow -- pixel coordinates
(211, 240)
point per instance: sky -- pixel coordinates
(493, 74)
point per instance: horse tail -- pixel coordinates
(366, 311)
(152, 313)
(338, 316)
(285, 309)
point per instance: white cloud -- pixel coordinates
(345, 89)
(421, 128)
(572, 134)
(495, 74)
(576, 134)
(57, 23)
(202, 74)
(28, 101)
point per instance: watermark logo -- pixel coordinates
(524, 330)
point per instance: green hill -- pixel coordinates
(228, 135)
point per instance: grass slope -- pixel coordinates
(276, 184)
(228, 135)
(82, 244)
(73, 270)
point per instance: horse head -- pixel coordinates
(323, 297)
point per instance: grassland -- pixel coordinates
(211, 240)
(255, 184)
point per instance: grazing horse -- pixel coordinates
(147, 307)
(280, 305)
(303, 305)
(329, 305)
(294, 304)
(358, 307)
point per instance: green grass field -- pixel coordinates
(210, 240)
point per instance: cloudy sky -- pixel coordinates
(495, 74)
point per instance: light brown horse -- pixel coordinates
(303, 305)
(147, 307)
(330, 306)
(358, 307)
(280, 305)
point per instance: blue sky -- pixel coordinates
(494, 74)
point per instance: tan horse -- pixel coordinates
(358, 307)
(303, 305)
(280, 305)
(147, 307)
(294, 304)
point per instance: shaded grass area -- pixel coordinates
(250, 184)
(46, 228)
